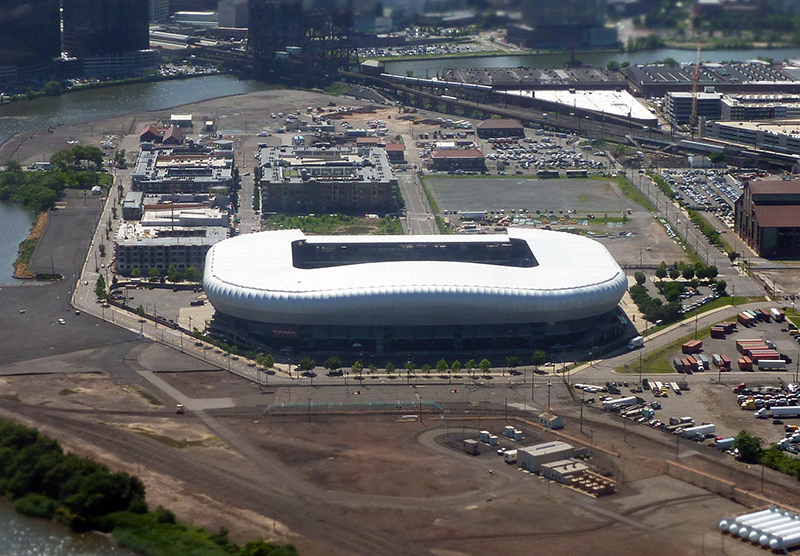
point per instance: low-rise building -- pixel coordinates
(459, 159)
(305, 179)
(563, 470)
(679, 106)
(167, 172)
(778, 136)
(551, 421)
(489, 129)
(141, 248)
(396, 152)
(531, 458)
(767, 217)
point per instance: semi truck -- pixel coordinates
(699, 430)
(771, 365)
(778, 412)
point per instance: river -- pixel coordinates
(94, 104)
(26, 536)
(429, 67)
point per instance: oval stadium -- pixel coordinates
(525, 289)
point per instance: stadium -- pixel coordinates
(526, 289)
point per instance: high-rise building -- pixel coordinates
(563, 24)
(99, 27)
(30, 33)
(233, 13)
(159, 11)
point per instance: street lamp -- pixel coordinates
(549, 386)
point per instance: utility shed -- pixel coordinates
(563, 470)
(531, 458)
(471, 446)
(181, 120)
(551, 421)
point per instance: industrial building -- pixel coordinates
(538, 78)
(782, 136)
(767, 217)
(489, 129)
(531, 458)
(597, 102)
(563, 470)
(159, 171)
(30, 39)
(102, 27)
(305, 179)
(656, 80)
(449, 160)
(679, 106)
(388, 293)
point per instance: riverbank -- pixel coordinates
(28, 246)
(33, 95)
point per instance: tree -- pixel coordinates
(749, 446)
(512, 362)
(640, 278)
(688, 273)
(717, 157)
(306, 364)
(485, 365)
(357, 368)
(173, 275)
(140, 311)
(154, 275)
(102, 249)
(100, 288)
(538, 358)
(456, 367)
(674, 273)
(613, 65)
(426, 369)
(135, 273)
(733, 256)
(269, 361)
(264, 548)
(722, 287)
(442, 366)
(192, 274)
(333, 364)
(471, 364)
(661, 271)
(389, 368)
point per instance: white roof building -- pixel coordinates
(528, 276)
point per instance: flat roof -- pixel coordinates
(789, 128)
(617, 103)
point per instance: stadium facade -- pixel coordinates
(376, 294)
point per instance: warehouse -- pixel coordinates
(491, 129)
(447, 160)
(527, 288)
(767, 217)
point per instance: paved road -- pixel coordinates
(419, 215)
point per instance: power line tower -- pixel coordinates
(274, 26)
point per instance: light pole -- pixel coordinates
(549, 387)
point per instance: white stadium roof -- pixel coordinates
(253, 277)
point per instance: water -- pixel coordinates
(27, 536)
(15, 223)
(428, 68)
(83, 106)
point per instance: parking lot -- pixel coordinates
(710, 190)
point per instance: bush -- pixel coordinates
(36, 505)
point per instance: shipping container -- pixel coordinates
(777, 314)
(745, 364)
(717, 360)
(692, 346)
(766, 316)
(726, 362)
(745, 320)
(718, 332)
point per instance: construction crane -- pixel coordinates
(695, 80)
